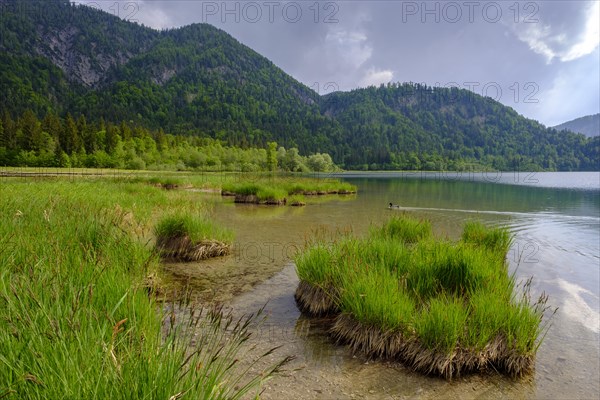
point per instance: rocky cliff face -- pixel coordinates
(61, 33)
(59, 47)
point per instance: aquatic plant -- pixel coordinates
(297, 201)
(440, 307)
(276, 190)
(190, 238)
(497, 240)
(407, 230)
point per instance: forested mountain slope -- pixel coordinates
(57, 58)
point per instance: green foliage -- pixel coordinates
(494, 239)
(269, 193)
(446, 295)
(441, 323)
(271, 156)
(76, 320)
(417, 127)
(64, 142)
(279, 188)
(371, 295)
(197, 81)
(407, 230)
(196, 228)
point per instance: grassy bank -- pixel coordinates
(440, 307)
(264, 185)
(76, 320)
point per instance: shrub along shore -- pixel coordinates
(441, 308)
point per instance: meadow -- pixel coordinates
(442, 308)
(80, 281)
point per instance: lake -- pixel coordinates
(555, 218)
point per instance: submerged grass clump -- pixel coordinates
(440, 307)
(190, 238)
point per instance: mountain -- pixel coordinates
(413, 125)
(588, 125)
(60, 58)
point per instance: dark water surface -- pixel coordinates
(556, 221)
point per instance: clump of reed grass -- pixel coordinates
(242, 189)
(407, 230)
(496, 239)
(275, 191)
(297, 201)
(319, 186)
(440, 307)
(190, 238)
(272, 195)
(168, 183)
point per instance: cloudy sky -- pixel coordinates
(539, 57)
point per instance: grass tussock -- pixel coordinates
(190, 238)
(442, 308)
(407, 230)
(277, 191)
(76, 320)
(297, 201)
(168, 183)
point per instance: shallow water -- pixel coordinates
(557, 242)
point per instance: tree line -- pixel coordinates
(70, 141)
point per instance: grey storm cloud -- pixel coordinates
(539, 57)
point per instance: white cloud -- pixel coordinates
(542, 40)
(589, 38)
(152, 16)
(351, 47)
(571, 92)
(142, 12)
(374, 77)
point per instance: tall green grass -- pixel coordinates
(407, 230)
(76, 320)
(372, 297)
(497, 240)
(279, 188)
(196, 227)
(441, 323)
(446, 296)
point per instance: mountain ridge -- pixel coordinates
(588, 125)
(200, 81)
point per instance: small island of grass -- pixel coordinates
(277, 191)
(439, 307)
(188, 238)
